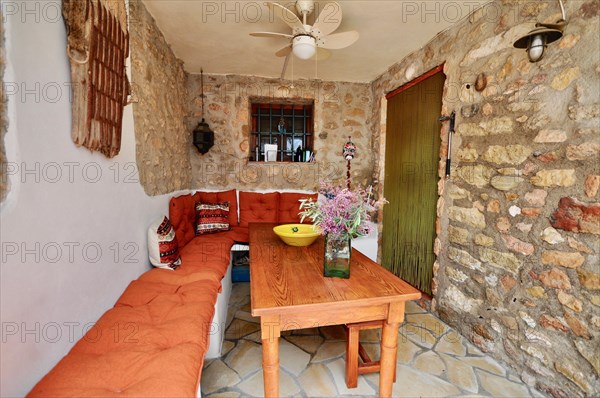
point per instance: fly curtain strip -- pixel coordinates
(98, 46)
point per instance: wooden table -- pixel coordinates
(288, 292)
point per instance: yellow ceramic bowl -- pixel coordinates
(297, 234)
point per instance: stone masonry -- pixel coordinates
(518, 269)
(340, 110)
(159, 94)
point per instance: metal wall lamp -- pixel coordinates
(203, 137)
(537, 39)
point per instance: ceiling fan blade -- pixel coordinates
(286, 16)
(271, 34)
(339, 40)
(323, 54)
(283, 52)
(329, 19)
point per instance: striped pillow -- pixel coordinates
(212, 217)
(163, 249)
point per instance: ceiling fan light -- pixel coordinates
(304, 47)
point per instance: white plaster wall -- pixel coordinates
(50, 293)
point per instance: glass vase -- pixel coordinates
(338, 251)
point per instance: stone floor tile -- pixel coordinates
(500, 386)
(472, 350)
(451, 343)
(421, 337)
(240, 294)
(329, 350)
(338, 370)
(302, 332)
(514, 377)
(317, 382)
(406, 350)
(336, 332)
(292, 358)
(254, 385)
(229, 318)
(245, 358)
(309, 344)
(413, 308)
(256, 337)
(430, 362)
(370, 336)
(373, 350)
(414, 383)
(485, 363)
(228, 394)
(239, 329)
(460, 374)
(246, 316)
(217, 376)
(429, 322)
(227, 346)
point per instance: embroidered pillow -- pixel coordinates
(212, 217)
(163, 249)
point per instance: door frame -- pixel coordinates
(380, 171)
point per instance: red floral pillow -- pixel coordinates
(163, 249)
(212, 217)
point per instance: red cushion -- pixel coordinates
(258, 207)
(224, 196)
(212, 217)
(182, 214)
(289, 207)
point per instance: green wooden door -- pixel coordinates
(411, 176)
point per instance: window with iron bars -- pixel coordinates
(287, 125)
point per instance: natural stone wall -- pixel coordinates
(4, 183)
(159, 94)
(340, 110)
(519, 221)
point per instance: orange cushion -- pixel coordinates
(218, 197)
(289, 207)
(239, 234)
(182, 213)
(258, 207)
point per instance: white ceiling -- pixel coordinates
(214, 35)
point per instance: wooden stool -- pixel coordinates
(354, 349)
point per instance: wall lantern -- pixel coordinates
(203, 136)
(543, 34)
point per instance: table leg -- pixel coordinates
(389, 349)
(270, 333)
(270, 364)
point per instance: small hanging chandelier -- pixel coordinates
(203, 136)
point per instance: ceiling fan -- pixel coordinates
(305, 40)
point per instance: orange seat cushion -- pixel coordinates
(289, 207)
(258, 207)
(182, 214)
(219, 197)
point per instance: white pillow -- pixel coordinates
(163, 249)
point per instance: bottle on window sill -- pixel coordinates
(298, 154)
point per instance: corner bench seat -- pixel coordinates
(154, 340)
